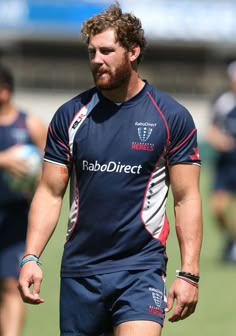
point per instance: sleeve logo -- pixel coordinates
(196, 155)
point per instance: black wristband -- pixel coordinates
(190, 276)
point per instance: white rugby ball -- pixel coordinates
(33, 158)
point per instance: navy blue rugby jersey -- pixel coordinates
(229, 158)
(14, 133)
(230, 123)
(118, 155)
(224, 117)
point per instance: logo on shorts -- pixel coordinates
(157, 296)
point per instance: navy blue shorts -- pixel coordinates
(13, 227)
(10, 258)
(94, 305)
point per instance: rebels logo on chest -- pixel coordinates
(144, 134)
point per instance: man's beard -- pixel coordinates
(116, 79)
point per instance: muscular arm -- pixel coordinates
(184, 180)
(46, 206)
(43, 217)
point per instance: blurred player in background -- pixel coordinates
(222, 137)
(121, 144)
(16, 127)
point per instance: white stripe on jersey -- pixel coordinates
(74, 126)
(80, 118)
(153, 213)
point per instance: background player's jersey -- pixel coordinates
(118, 155)
(10, 135)
(229, 158)
(222, 106)
(230, 123)
(226, 123)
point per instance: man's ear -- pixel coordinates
(134, 53)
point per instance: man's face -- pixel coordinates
(4, 95)
(109, 61)
(233, 83)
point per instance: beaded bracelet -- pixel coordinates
(31, 257)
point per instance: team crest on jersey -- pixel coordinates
(20, 134)
(144, 130)
(144, 133)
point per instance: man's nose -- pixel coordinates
(98, 57)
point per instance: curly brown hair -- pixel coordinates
(128, 28)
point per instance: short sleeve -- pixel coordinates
(183, 147)
(57, 145)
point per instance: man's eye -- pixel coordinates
(106, 51)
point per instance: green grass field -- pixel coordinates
(215, 312)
